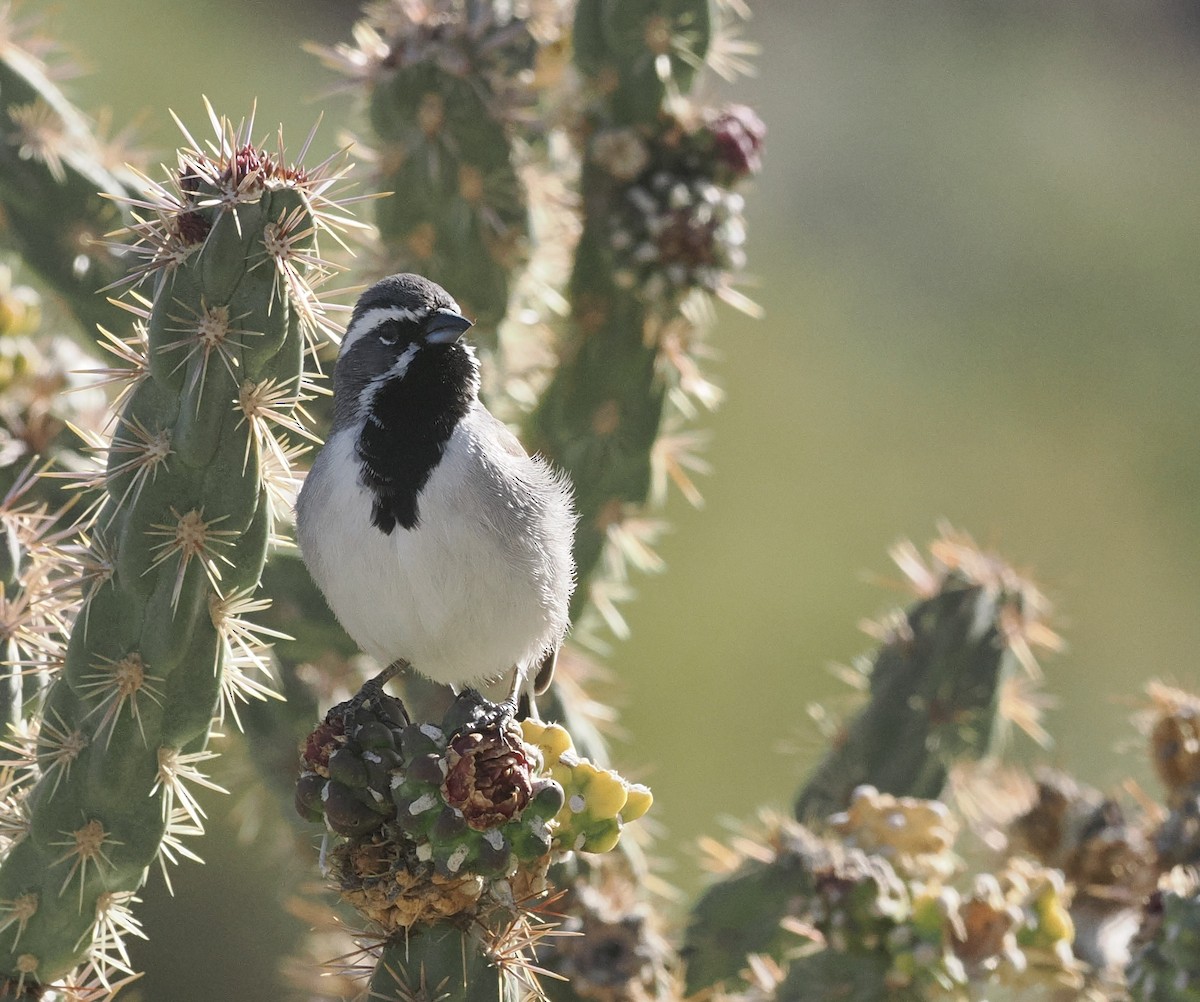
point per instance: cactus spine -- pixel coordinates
(161, 644)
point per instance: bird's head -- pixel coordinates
(398, 319)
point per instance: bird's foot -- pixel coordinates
(473, 711)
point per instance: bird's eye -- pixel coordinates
(388, 332)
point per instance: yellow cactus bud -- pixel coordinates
(604, 790)
(637, 802)
(551, 739)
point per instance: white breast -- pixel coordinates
(480, 585)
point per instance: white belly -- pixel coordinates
(455, 597)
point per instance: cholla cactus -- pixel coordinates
(444, 85)
(1166, 961)
(949, 671)
(229, 242)
(662, 235)
(56, 181)
(878, 913)
(878, 898)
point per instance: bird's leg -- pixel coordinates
(388, 673)
(374, 686)
(513, 700)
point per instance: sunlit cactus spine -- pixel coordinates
(160, 646)
(38, 599)
(57, 182)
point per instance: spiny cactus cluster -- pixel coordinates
(950, 671)
(867, 922)
(175, 544)
(662, 236)
(448, 821)
(468, 101)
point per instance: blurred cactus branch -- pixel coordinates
(661, 238)
(937, 681)
(57, 188)
(857, 901)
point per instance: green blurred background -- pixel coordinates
(977, 242)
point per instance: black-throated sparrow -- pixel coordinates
(435, 538)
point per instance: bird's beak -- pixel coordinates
(445, 327)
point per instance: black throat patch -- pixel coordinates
(408, 425)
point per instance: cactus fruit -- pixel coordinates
(872, 929)
(177, 546)
(662, 234)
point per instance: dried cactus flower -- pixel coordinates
(613, 950)
(488, 775)
(677, 225)
(1175, 737)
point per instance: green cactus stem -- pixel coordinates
(444, 83)
(662, 234)
(229, 244)
(640, 54)
(54, 179)
(1165, 966)
(935, 684)
(485, 968)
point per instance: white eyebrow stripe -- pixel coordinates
(372, 318)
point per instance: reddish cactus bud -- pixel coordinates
(739, 134)
(489, 775)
